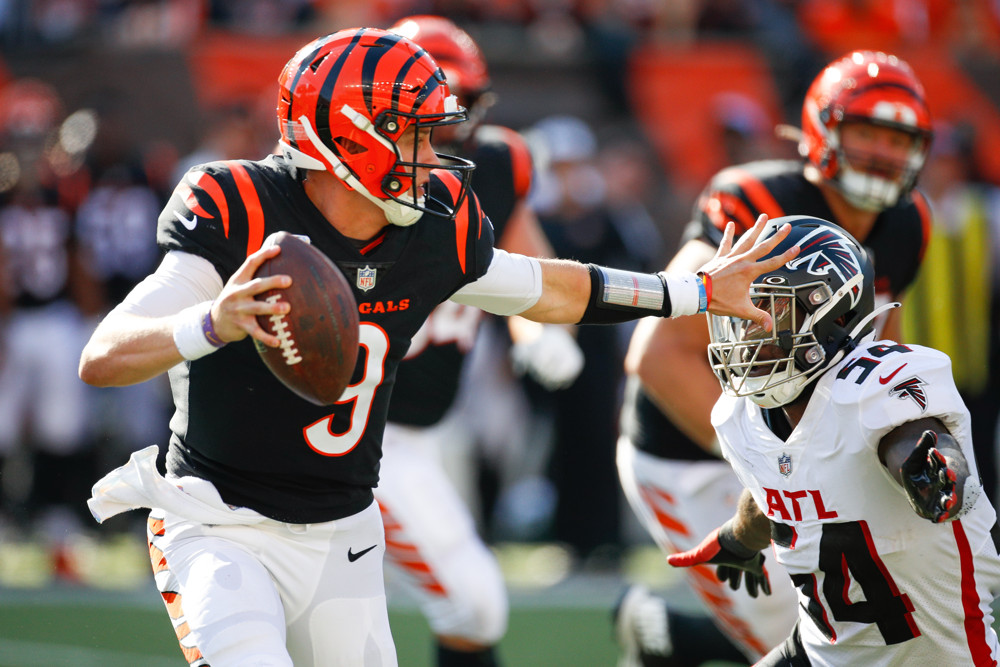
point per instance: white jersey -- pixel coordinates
(877, 584)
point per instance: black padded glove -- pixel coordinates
(733, 559)
(928, 480)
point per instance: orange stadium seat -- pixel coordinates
(229, 68)
(674, 91)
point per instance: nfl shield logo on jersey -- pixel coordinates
(366, 278)
(785, 464)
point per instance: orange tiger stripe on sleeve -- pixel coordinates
(214, 191)
(462, 217)
(759, 196)
(255, 214)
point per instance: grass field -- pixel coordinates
(81, 627)
(558, 617)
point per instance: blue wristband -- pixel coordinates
(702, 295)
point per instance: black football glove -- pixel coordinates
(733, 559)
(928, 480)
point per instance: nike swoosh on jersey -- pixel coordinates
(351, 556)
(888, 378)
(190, 224)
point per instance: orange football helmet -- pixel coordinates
(460, 59)
(346, 99)
(869, 87)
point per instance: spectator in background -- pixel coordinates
(46, 450)
(119, 244)
(953, 304)
(571, 201)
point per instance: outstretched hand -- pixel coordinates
(735, 562)
(929, 481)
(734, 268)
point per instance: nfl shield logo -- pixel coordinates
(785, 464)
(366, 278)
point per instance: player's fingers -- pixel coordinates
(250, 265)
(772, 263)
(765, 583)
(259, 334)
(760, 317)
(683, 559)
(750, 237)
(261, 285)
(727, 240)
(766, 246)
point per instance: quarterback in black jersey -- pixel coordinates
(866, 132)
(451, 573)
(265, 540)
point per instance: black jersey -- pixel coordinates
(895, 244)
(234, 423)
(427, 381)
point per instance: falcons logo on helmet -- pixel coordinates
(826, 250)
(912, 388)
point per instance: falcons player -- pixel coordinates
(266, 541)
(858, 464)
(866, 132)
(452, 573)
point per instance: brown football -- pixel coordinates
(320, 332)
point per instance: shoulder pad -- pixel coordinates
(885, 384)
(742, 192)
(502, 138)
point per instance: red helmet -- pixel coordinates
(870, 87)
(347, 98)
(460, 59)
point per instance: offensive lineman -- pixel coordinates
(266, 542)
(866, 133)
(452, 573)
(858, 464)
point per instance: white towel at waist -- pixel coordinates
(139, 484)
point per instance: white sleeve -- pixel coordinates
(511, 285)
(911, 386)
(181, 280)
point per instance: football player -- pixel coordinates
(452, 573)
(857, 459)
(266, 541)
(865, 136)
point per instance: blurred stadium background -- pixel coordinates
(119, 95)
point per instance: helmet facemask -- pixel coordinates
(400, 184)
(821, 303)
(771, 367)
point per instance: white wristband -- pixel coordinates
(684, 293)
(189, 333)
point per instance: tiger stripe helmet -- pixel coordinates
(870, 87)
(344, 102)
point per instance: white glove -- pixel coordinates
(552, 357)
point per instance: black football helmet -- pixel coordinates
(822, 303)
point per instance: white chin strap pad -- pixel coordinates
(395, 212)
